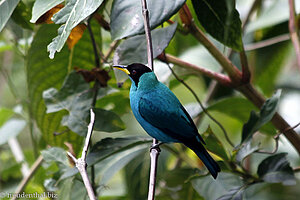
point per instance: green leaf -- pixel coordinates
(43, 73)
(110, 165)
(76, 97)
(126, 16)
(221, 20)
(5, 114)
(134, 49)
(177, 184)
(269, 65)
(256, 121)
(245, 150)
(212, 189)
(110, 146)
(21, 16)
(213, 144)
(40, 7)
(6, 9)
(240, 112)
(11, 129)
(70, 16)
(235, 193)
(276, 169)
(55, 154)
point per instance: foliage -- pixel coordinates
(50, 78)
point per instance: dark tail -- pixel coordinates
(204, 156)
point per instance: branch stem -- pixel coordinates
(148, 34)
(294, 30)
(81, 162)
(24, 182)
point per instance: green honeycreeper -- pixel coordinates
(161, 114)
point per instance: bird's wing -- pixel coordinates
(165, 112)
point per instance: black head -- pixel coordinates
(135, 71)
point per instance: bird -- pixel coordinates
(161, 114)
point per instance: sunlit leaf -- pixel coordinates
(5, 114)
(126, 16)
(70, 16)
(276, 169)
(213, 144)
(258, 120)
(134, 49)
(221, 20)
(6, 9)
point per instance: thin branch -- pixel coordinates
(81, 162)
(268, 42)
(223, 79)
(148, 34)
(294, 30)
(26, 179)
(246, 74)
(154, 152)
(201, 105)
(111, 49)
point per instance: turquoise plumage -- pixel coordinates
(161, 114)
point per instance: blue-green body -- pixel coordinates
(163, 117)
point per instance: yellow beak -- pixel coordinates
(122, 68)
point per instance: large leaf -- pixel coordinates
(11, 129)
(6, 9)
(76, 97)
(110, 146)
(276, 169)
(40, 7)
(70, 16)
(213, 144)
(212, 189)
(221, 20)
(43, 73)
(238, 108)
(126, 16)
(269, 65)
(235, 193)
(134, 49)
(256, 121)
(21, 16)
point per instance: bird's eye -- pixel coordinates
(133, 72)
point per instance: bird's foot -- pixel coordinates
(156, 146)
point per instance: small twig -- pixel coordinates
(111, 49)
(246, 74)
(200, 103)
(154, 153)
(148, 34)
(268, 42)
(294, 30)
(81, 162)
(26, 179)
(223, 79)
